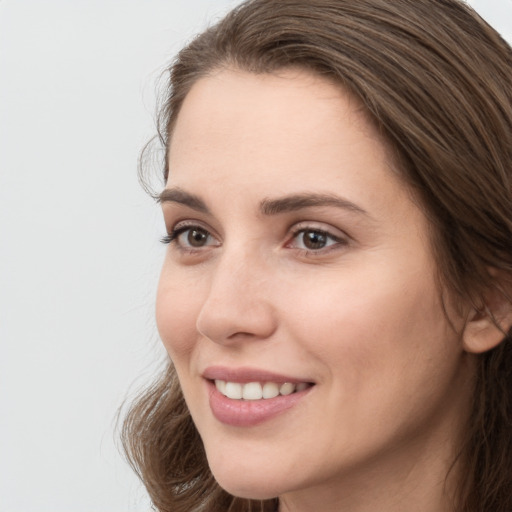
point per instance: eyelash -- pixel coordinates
(167, 239)
(337, 241)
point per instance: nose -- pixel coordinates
(238, 304)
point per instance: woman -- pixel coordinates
(335, 295)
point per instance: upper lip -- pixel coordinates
(246, 374)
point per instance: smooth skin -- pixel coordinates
(342, 293)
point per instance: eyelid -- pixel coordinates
(192, 223)
(332, 231)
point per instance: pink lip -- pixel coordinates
(248, 413)
(247, 374)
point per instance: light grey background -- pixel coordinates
(79, 251)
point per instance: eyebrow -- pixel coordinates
(269, 207)
(300, 201)
(178, 195)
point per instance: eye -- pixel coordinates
(311, 239)
(194, 237)
(190, 237)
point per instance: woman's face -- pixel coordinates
(300, 265)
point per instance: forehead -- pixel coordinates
(291, 121)
(266, 97)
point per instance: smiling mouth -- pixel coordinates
(259, 390)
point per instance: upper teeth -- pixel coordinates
(257, 391)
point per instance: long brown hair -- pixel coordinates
(437, 82)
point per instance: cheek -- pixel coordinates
(371, 327)
(386, 356)
(176, 314)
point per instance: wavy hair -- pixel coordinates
(436, 80)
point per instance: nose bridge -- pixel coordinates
(238, 301)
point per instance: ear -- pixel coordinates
(488, 325)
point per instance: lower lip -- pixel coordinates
(248, 413)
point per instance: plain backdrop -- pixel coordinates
(79, 249)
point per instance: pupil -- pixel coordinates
(196, 238)
(314, 240)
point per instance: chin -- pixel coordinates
(250, 486)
